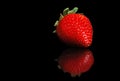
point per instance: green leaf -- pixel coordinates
(61, 16)
(54, 31)
(56, 23)
(74, 10)
(65, 11)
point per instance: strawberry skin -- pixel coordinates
(75, 29)
(76, 61)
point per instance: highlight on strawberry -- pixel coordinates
(74, 28)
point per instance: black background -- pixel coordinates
(39, 47)
(35, 46)
(31, 47)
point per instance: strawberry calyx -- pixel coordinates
(66, 11)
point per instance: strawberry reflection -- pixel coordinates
(75, 61)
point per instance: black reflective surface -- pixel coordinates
(34, 57)
(58, 74)
(40, 61)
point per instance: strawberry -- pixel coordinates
(74, 28)
(76, 61)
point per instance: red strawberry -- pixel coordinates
(74, 28)
(76, 61)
